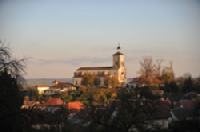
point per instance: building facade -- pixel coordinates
(118, 69)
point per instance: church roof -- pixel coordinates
(118, 47)
(97, 68)
(97, 75)
(118, 53)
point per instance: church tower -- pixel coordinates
(118, 58)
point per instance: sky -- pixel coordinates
(62, 35)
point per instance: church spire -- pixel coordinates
(118, 48)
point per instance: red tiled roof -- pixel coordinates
(42, 85)
(55, 81)
(157, 91)
(61, 84)
(82, 86)
(29, 102)
(189, 104)
(183, 112)
(53, 101)
(95, 68)
(74, 105)
(97, 75)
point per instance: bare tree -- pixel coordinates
(187, 75)
(15, 67)
(168, 73)
(159, 61)
(149, 71)
(11, 76)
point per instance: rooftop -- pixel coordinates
(53, 102)
(42, 85)
(95, 68)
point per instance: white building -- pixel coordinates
(118, 69)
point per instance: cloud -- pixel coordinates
(132, 58)
(139, 51)
(75, 61)
(103, 48)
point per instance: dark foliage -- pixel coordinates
(11, 80)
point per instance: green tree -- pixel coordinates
(111, 81)
(68, 98)
(99, 97)
(187, 85)
(64, 95)
(85, 79)
(174, 87)
(88, 79)
(97, 81)
(91, 79)
(114, 81)
(124, 116)
(107, 81)
(168, 73)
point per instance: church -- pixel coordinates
(118, 69)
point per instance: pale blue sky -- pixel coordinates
(63, 35)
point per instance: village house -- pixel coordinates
(132, 85)
(51, 105)
(57, 87)
(29, 104)
(158, 92)
(41, 88)
(62, 86)
(118, 69)
(73, 108)
(161, 115)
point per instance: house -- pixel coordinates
(190, 96)
(74, 106)
(132, 85)
(183, 113)
(41, 88)
(158, 92)
(160, 116)
(29, 104)
(52, 105)
(63, 86)
(185, 104)
(51, 91)
(118, 69)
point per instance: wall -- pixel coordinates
(78, 81)
(41, 89)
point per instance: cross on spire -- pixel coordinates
(118, 48)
